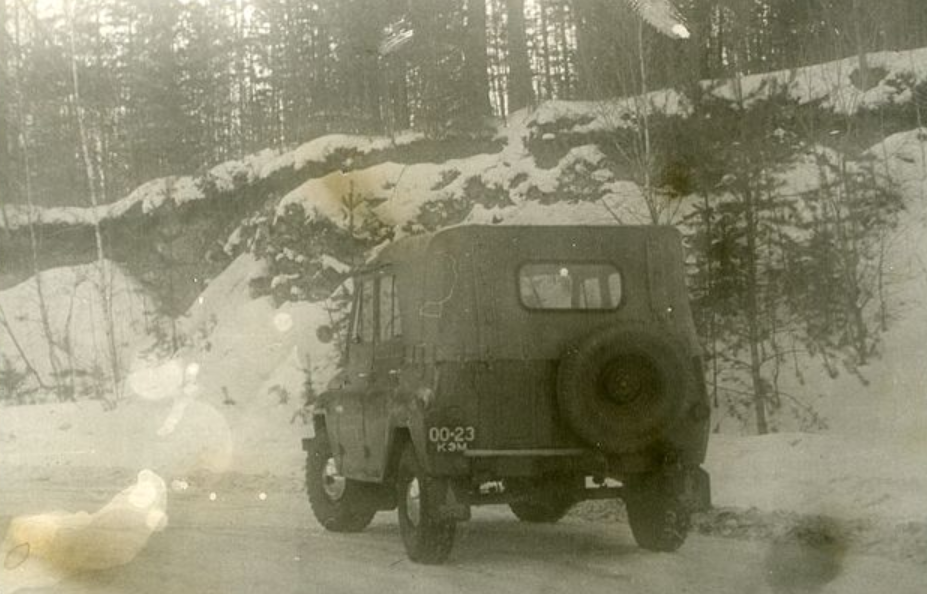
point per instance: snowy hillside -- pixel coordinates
(222, 178)
(75, 320)
(230, 399)
(251, 357)
(490, 188)
(831, 86)
(887, 399)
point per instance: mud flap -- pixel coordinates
(694, 489)
(455, 506)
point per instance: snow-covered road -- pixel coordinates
(241, 541)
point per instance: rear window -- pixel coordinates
(569, 285)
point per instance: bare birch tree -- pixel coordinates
(104, 281)
(27, 193)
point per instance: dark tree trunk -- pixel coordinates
(860, 41)
(5, 168)
(545, 45)
(519, 87)
(600, 55)
(475, 57)
(566, 50)
(753, 314)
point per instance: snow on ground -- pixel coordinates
(76, 319)
(891, 403)
(829, 475)
(83, 434)
(507, 187)
(252, 365)
(227, 402)
(602, 116)
(835, 85)
(872, 463)
(321, 149)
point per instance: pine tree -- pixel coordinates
(6, 170)
(520, 91)
(475, 58)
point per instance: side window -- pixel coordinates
(364, 330)
(390, 325)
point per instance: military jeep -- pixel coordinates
(529, 366)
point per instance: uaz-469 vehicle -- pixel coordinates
(533, 366)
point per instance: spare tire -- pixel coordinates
(619, 389)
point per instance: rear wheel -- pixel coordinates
(545, 509)
(427, 537)
(338, 503)
(659, 519)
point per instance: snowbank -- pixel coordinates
(224, 177)
(886, 401)
(505, 188)
(236, 411)
(833, 86)
(253, 359)
(76, 321)
(820, 475)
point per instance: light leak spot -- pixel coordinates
(213, 496)
(262, 496)
(283, 321)
(155, 520)
(143, 494)
(41, 550)
(154, 382)
(16, 556)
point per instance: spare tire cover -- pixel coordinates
(620, 389)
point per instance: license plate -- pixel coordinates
(449, 439)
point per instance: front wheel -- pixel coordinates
(338, 503)
(427, 538)
(659, 519)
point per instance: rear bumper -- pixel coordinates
(482, 465)
(583, 476)
(543, 453)
(492, 477)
